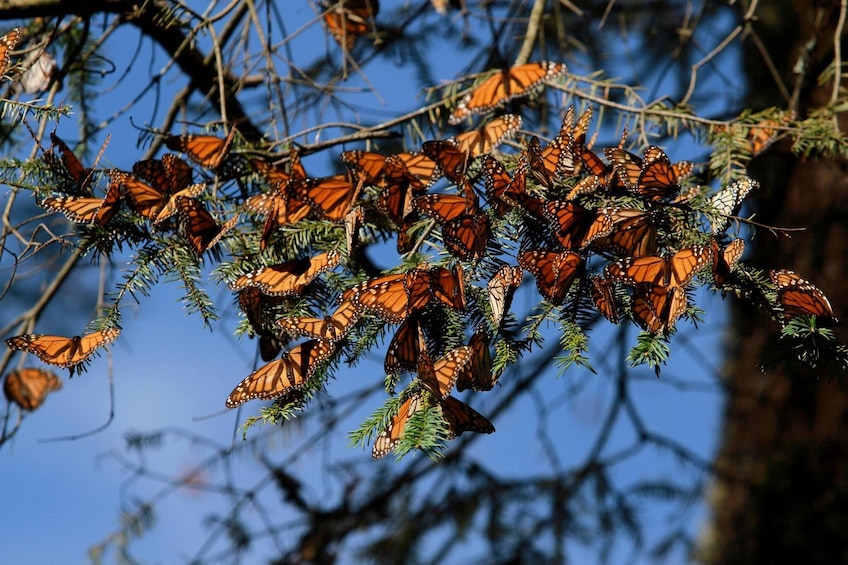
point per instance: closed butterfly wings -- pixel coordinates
(199, 227)
(501, 287)
(88, 210)
(348, 20)
(465, 230)
(798, 296)
(28, 388)
(156, 203)
(282, 377)
(727, 202)
(8, 42)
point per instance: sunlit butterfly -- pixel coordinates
(633, 233)
(207, 151)
(88, 210)
(465, 230)
(799, 296)
(330, 197)
(279, 208)
(388, 439)
(656, 308)
(151, 202)
(282, 377)
(652, 177)
(504, 86)
(500, 289)
(449, 158)
(288, 278)
(28, 388)
(8, 42)
(66, 352)
(489, 136)
(441, 376)
(727, 201)
(554, 271)
(675, 271)
(330, 328)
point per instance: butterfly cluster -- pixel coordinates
(611, 234)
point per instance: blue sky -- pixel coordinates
(171, 372)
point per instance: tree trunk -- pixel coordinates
(783, 493)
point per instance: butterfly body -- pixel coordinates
(65, 352)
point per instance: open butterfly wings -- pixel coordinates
(289, 278)
(28, 388)
(489, 136)
(65, 352)
(554, 271)
(284, 376)
(504, 86)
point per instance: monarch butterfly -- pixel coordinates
(207, 151)
(727, 201)
(284, 376)
(275, 175)
(422, 168)
(330, 197)
(799, 296)
(573, 226)
(441, 6)
(604, 298)
(724, 259)
(168, 175)
(150, 202)
(441, 376)
(388, 439)
(200, 229)
(465, 231)
(461, 418)
(65, 352)
(504, 86)
(347, 20)
(501, 288)
(450, 159)
(88, 210)
(558, 157)
(478, 373)
(331, 328)
(499, 183)
(487, 137)
(289, 278)
(764, 133)
(554, 271)
(634, 233)
(8, 42)
(396, 296)
(80, 175)
(280, 208)
(656, 308)
(675, 271)
(352, 223)
(28, 388)
(367, 166)
(253, 303)
(652, 177)
(404, 348)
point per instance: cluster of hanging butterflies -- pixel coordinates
(615, 234)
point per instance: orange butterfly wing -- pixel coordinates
(289, 278)
(207, 151)
(331, 328)
(554, 271)
(349, 20)
(331, 197)
(441, 376)
(486, 138)
(8, 42)
(284, 376)
(403, 351)
(504, 86)
(388, 439)
(28, 388)
(799, 296)
(200, 228)
(461, 418)
(63, 351)
(604, 298)
(501, 288)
